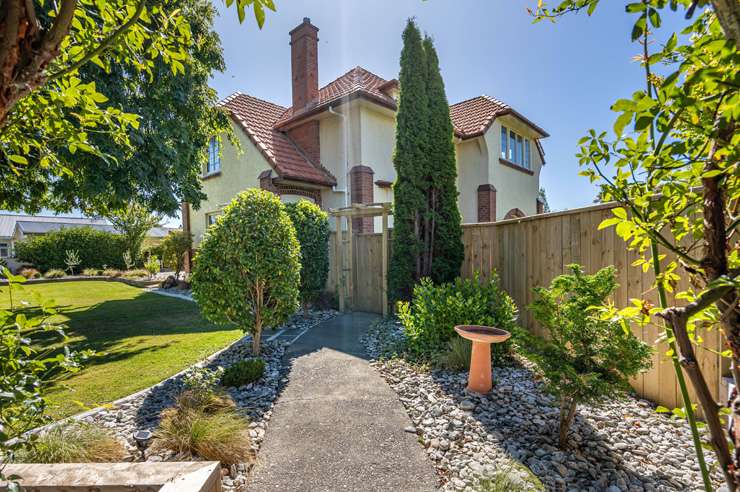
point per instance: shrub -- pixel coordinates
(134, 274)
(75, 443)
(202, 379)
(210, 432)
(29, 273)
(312, 231)
(112, 272)
(54, 273)
(174, 247)
(91, 272)
(247, 270)
(585, 358)
(152, 266)
(95, 248)
(430, 318)
(457, 357)
(243, 372)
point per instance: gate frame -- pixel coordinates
(344, 276)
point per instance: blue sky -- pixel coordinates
(563, 76)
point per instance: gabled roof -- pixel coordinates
(358, 82)
(257, 118)
(473, 117)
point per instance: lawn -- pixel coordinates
(141, 338)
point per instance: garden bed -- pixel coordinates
(624, 445)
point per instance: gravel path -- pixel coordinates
(621, 446)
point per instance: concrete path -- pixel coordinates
(337, 425)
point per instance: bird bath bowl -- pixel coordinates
(480, 378)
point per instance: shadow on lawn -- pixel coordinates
(525, 423)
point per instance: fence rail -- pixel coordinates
(530, 252)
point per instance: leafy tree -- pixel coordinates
(426, 224)
(49, 114)
(133, 223)
(247, 269)
(312, 230)
(27, 371)
(174, 247)
(673, 168)
(542, 197)
(584, 358)
(443, 235)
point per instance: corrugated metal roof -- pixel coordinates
(41, 224)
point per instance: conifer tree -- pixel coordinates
(409, 160)
(444, 232)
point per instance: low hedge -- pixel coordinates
(96, 249)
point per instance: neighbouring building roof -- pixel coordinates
(358, 82)
(42, 224)
(258, 118)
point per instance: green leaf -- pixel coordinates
(18, 159)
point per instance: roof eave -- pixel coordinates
(320, 108)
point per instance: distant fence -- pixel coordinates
(530, 252)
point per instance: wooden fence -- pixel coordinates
(530, 252)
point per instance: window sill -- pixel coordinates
(513, 165)
(210, 175)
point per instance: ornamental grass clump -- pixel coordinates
(247, 270)
(585, 358)
(205, 425)
(430, 318)
(74, 443)
(55, 273)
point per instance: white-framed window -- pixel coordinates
(214, 156)
(512, 146)
(211, 218)
(504, 142)
(4, 250)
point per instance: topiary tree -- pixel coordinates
(247, 269)
(312, 230)
(585, 358)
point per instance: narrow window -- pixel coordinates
(504, 142)
(214, 159)
(4, 250)
(519, 150)
(527, 161)
(512, 146)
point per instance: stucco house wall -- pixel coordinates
(472, 171)
(239, 170)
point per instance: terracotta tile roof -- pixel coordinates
(356, 82)
(257, 118)
(473, 117)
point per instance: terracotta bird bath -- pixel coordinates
(480, 377)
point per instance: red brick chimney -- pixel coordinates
(304, 61)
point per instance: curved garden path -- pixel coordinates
(337, 425)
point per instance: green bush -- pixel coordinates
(247, 270)
(312, 230)
(95, 248)
(174, 247)
(429, 319)
(584, 358)
(75, 443)
(457, 357)
(55, 273)
(243, 372)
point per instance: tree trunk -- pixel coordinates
(305, 309)
(728, 15)
(567, 412)
(257, 330)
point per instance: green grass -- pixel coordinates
(141, 338)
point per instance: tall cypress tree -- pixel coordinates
(445, 248)
(409, 160)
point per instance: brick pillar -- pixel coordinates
(361, 191)
(540, 206)
(185, 214)
(486, 203)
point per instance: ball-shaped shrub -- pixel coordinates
(243, 372)
(247, 269)
(312, 229)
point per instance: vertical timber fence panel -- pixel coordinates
(531, 251)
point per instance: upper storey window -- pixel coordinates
(516, 148)
(214, 156)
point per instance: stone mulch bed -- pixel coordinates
(142, 410)
(620, 446)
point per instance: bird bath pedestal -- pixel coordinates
(480, 377)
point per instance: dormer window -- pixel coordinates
(214, 156)
(516, 148)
